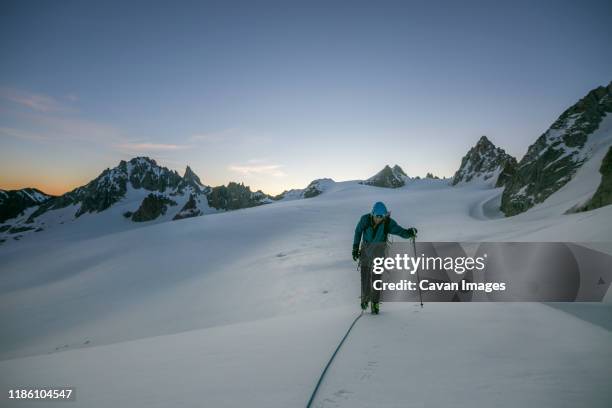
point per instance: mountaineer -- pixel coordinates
(372, 231)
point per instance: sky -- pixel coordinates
(276, 94)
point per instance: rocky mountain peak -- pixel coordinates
(191, 176)
(556, 155)
(145, 173)
(14, 202)
(143, 161)
(484, 162)
(388, 177)
(484, 143)
(190, 179)
(235, 196)
(112, 185)
(313, 189)
(317, 187)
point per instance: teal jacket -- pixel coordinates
(365, 228)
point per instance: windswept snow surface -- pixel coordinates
(244, 308)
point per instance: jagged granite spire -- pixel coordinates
(484, 162)
(190, 179)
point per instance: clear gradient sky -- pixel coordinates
(276, 94)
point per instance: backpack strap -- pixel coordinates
(386, 226)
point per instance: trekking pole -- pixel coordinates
(417, 272)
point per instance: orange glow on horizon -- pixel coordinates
(51, 189)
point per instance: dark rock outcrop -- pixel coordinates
(388, 177)
(14, 202)
(145, 173)
(553, 159)
(234, 196)
(603, 194)
(153, 206)
(190, 209)
(314, 188)
(485, 162)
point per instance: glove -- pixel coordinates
(356, 252)
(412, 232)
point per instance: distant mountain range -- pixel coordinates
(148, 191)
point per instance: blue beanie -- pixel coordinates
(379, 209)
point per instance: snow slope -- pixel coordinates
(246, 306)
(494, 355)
(267, 363)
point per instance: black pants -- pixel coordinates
(368, 253)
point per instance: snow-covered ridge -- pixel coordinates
(31, 194)
(13, 203)
(554, 158)
(314, 188)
